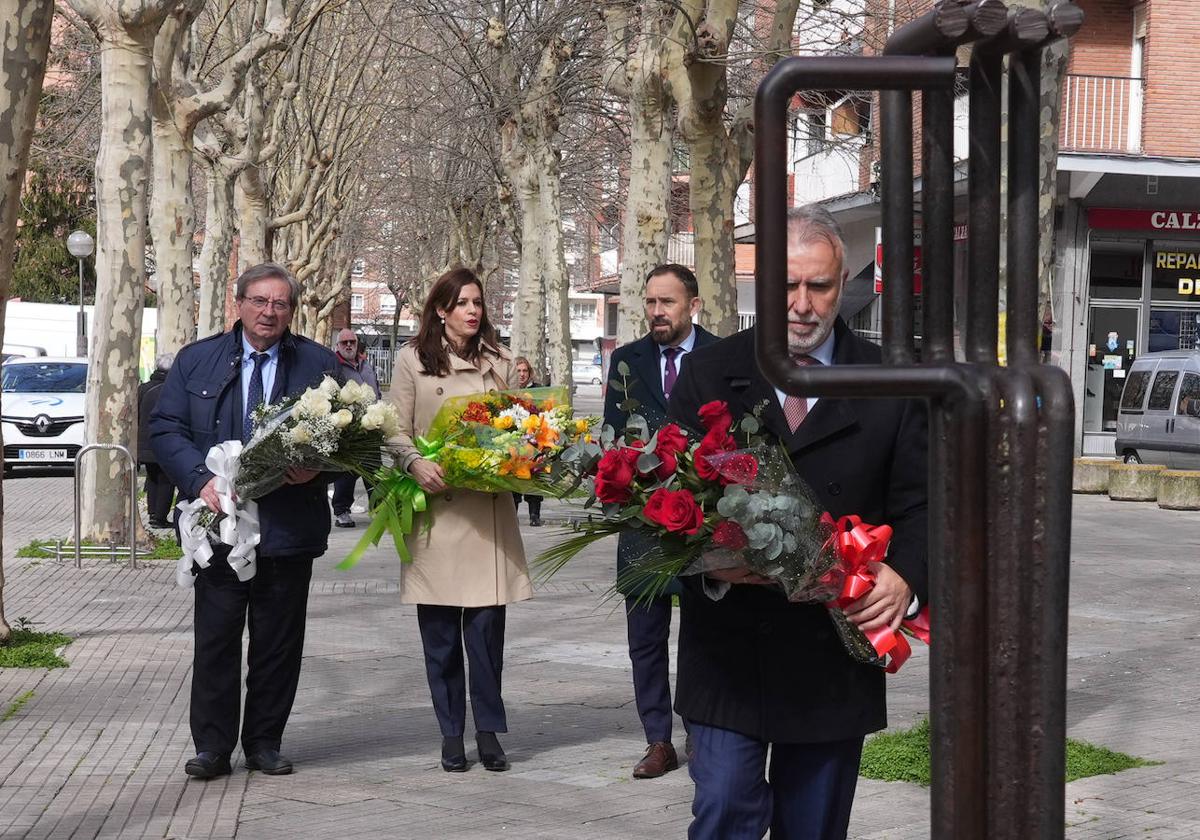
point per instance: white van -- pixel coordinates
(1158, 421)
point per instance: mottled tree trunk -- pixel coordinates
(122, 170)
(635, 74)
(555, 281)
(710, 198)
(528, 332)
(172, 230)
(217, 249)
(24, 43)
(253, 214)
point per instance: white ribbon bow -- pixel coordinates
(239, 528)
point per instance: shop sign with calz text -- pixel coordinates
(1175, 275)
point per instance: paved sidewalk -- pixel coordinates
(98, 748)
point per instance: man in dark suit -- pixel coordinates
(655, 361)
(208, 398)
(756, 671)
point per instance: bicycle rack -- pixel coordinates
(133, 508)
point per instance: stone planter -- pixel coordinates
(1133, 482)
(1179, 490)
(1091, 475)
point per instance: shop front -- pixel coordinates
(1143, 296)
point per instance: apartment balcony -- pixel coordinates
(1102, 114)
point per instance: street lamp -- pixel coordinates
(80, 245)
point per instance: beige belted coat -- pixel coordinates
(473, 555)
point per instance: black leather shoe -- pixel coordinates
(535, 521)
(268, 761)
(454, 755)
(208, 765)
(491, 754)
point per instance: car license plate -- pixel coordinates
(42, 454)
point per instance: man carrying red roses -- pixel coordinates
(758, 675)
(654, 362)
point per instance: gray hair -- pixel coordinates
(163, 361)
(811, 223)
(268, 271)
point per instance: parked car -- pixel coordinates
(1158, 419)
(41, 409)
(583, 373)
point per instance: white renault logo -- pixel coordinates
(42, 423)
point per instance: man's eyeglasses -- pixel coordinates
(349, 341)
(262, 303)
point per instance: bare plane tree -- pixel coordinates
(25, 35)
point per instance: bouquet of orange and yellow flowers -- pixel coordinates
(499, 441)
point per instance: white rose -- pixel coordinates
(391, 421)
(301, 434)
(343, 418)
(366, 395)
(349, 392)
(328, 387)
(317, 406)
(372, 419)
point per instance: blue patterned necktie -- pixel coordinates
(255, 397)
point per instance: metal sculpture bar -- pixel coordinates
(1001, 437)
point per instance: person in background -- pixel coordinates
(160, 492)
(655, 361)
(471, 562)
(353, 366)
(525, 380)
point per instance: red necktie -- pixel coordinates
(795, 408)
(672, 373)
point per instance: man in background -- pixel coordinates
(352, 366)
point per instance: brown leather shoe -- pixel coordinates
(660, 758)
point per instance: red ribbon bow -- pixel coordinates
(857, 545)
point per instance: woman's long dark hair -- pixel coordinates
(431, 335)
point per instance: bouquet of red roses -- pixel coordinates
(717, 504)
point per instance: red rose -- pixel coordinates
(715, 442)
(675, 510)
(730, 535)
(667, 468)
(715, 415)
(741, 468)
(614, 475)
(671, 439)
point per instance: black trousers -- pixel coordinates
(534, 501)
(159, 493)
(444, 632)
(274, 601)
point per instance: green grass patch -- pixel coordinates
(161, 548)
(904, 757)
(15, 706)
(31, 649)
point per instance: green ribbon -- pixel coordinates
(395, 500)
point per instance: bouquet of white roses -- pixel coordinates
(328, 427)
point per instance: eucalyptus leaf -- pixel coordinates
(648, 462)
(627, 406)
(750, 424)
(616, 385)
(638, 426)
(623, 368)
(607, 436)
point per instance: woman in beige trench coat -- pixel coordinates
(472, 561)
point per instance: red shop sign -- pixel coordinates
(1111, 218)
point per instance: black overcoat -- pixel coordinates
(752, 662)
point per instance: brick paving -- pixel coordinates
(98, 749)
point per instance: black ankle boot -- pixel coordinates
(454, 755)
(491, 754)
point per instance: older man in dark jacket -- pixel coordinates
(758, 675)
(208, 398)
